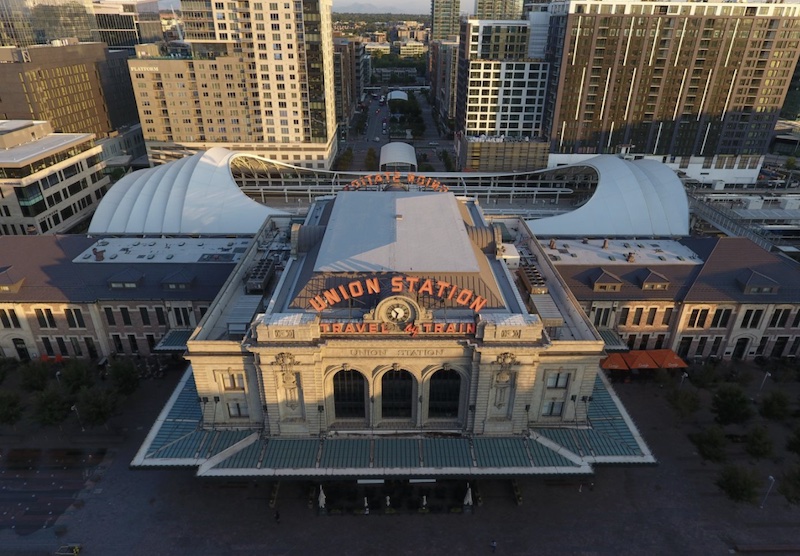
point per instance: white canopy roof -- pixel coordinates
(398, 153)
(639, 198)
(193, 195)
(397, 95)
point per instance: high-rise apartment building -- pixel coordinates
(343, 83)
(444, 19)
(502, 84)
(699, 83)
(49, 181)
(257, 77)
(28, 22)
(498, 9)
(78, 88)
(444, 79)
(126, 23)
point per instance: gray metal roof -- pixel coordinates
(394, 233)
(53, 271)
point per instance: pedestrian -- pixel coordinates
(277, 517)
(493, 544)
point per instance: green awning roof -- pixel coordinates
(174, 340)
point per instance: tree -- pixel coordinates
(76, 375)
(710, 444)
(97, 405)
(775, 406)
(793, 442)
(759, 444)
(790, 485)
(10, 408)
(739, 483)
(731, 406)
(371, 161)
(51, 406)
(35, 375)
(685, 402)
(791, 163)
(7, 365)
(124, 377)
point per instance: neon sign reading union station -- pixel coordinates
(440, 289)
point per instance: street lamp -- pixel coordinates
(769, 489)
(684, 376)
(766, 375)
(75, 409)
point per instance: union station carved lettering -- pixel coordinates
(396, 353)
(411, 284)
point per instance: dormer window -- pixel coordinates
(753, 282)
(653, 281)
(181, 280)
(606, 282)
(127, 279)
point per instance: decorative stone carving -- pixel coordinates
(288, 380)
(504, 379)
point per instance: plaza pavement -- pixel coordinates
(670, 509)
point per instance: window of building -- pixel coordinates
(62, 346)
(48, 347)
(9, 319)
(133, 343)
(76, 347)
(552, 408)
(160, 316)
(667, 316)
(237, 410)
(117, 339)
(45, 318)
(623, 316)
(181, 316)
(651, 316)
(397, 388)
(110, 316)
(637, 316)
(233, 381)
(557, 380)
(444, 394)
(126, 316)
(349, 395)
(720, 318)
(145, 314)
(779, 318)
(697, 318)
(74, 318)
(752, 318)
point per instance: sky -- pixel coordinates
(408, 6)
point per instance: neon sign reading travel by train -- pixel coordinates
(387, 178)
(411, 284)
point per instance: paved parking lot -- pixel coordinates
(672, 508)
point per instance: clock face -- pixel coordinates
(398, 311)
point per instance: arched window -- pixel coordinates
(397, 389)
(349, 395)
(444, 394)
(22, 349)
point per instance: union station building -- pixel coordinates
(396, 334)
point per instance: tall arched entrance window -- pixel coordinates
(397, 390)
(444, 394)
(349, 395)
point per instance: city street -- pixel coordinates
(362, 143)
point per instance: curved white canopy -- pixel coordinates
(398, 153)
(193, 195)
(640, 198)
(397, 95)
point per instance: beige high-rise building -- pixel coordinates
(253, 77)
(498, 9)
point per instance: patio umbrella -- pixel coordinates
(667, 359)
(615, 361)
(321, 498)
(639, 360)
(468, 496)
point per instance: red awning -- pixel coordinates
(639, 360)
(667, 359)
(614, 362)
